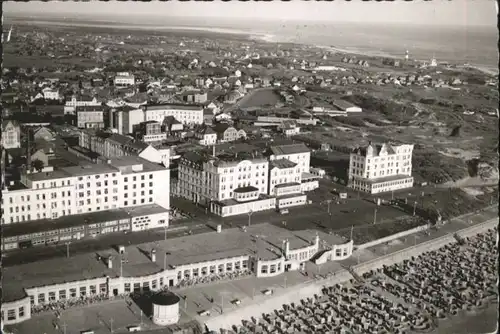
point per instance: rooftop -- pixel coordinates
(282, 163)
(290, 149)
(183, 250)
(167, 106)
(343, 105)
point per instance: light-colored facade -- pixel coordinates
(70, 106)
(381, 168)
(186, 114)
(123, 182)
(50, 94)
(111, 276)
(11, 135)
(90, 117)
(297, 153)
(124, 79)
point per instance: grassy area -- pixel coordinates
(455, 202)
(365, 234)
(437, 168)
(261, 98)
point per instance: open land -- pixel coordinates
(455, 157)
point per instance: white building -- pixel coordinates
(381, 168)
(122, 182)
(345, 106)
(298, 153)
(275, 252)
(82, 101)
(184, 113)
(90, 117)
(50, 94)
(11, 135)
(124, 79)
(229, 185)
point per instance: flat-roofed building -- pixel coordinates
(144, 267)
(90, 117)
(379, 168)
(184, 113)
(121, 182)
(80, 101)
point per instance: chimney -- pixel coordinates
(153, 255)
(110, 262)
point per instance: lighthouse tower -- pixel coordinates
(407, 55)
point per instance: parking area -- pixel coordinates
(109, 317)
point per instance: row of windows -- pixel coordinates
(134, 202)
(238, 265)
(272, 268)
(97, 176)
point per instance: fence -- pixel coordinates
(307, 289)
(393, 236)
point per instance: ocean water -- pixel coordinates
(455, 44)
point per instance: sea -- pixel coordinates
(473, 45)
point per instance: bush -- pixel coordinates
(358, 122)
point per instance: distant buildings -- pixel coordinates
(124, 79)
(381, 168)
(81, 101)
(91, 117)
(50, 94)
(11, 135)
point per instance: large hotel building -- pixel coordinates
(379, 168)
(233, 183)
(97, 192)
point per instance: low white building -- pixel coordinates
(81, 101)
(154, 267)
(185, 113)
(345, 106)
(379, 168)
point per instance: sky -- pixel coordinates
(436, 12)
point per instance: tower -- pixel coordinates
(407, 55)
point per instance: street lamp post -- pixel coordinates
(375, 216)
(414, 208)
(250, 217)
(328, 202)
(111, 324)
(67, 248)
(165, 228)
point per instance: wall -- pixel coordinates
(308, 289)
(393, 237)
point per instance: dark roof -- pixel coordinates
(283, 163)
(221, 127)
(43, 225)
(245, 189)
(289, 149)
(165, 298)
(172, 106)
(343, 105)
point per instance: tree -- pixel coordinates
(37, 165)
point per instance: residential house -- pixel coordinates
(50, 94)
(43, 133)
(11, 134)
(172, 126)
(123, 79)
(289, 128)
(227, 133)
(194, 97)
(207, 137)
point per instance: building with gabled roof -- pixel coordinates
(378, 168)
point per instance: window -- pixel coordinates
(127, 287)
(11, 314)
(264, 269)
(62, 294)
(41, 298)
(52, 296)
(93, 289)
(21, 312)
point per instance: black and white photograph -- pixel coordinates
(237, 167)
